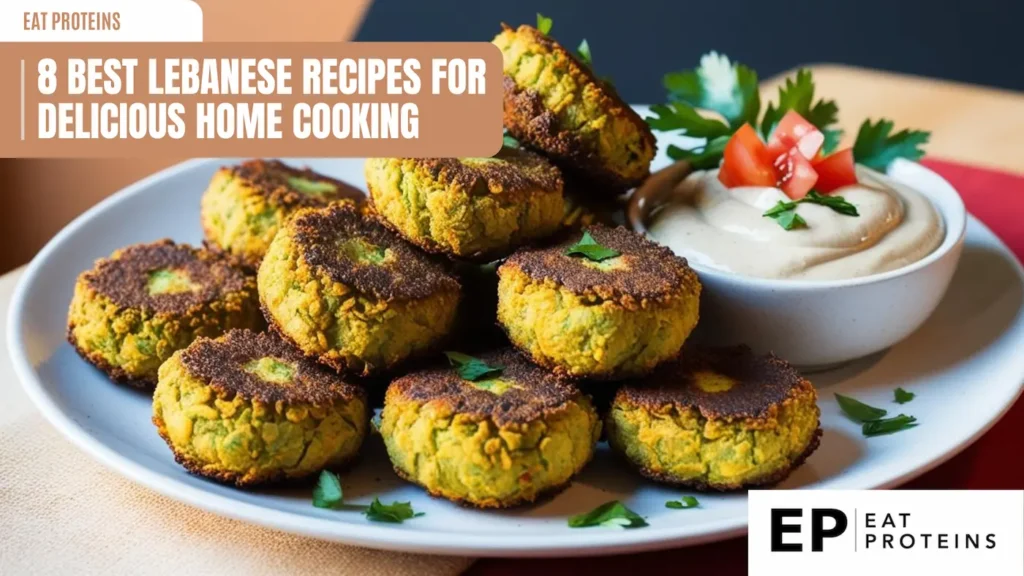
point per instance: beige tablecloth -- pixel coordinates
(63, 513)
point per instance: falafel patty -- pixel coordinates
(249, 409)
(612, 319)
(555, 104)
(492, 443)
(477, 208)
(353, 294)
(720, 419)
(131, 311)
(244, 205)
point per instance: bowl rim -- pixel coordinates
(952, 210)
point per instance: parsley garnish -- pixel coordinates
(470, 368)
(683, 503)
(902, 396)
(509, 140)
(590, 248)
(680, 116)
(872, 419)
(785, 212)
(876, 147)
(584, 51)
(859, 411)
(612, 514)
(798, 95)
(544, 23)
(701, 157)
(888, 425)
(719, 85)
(395, 513)
(327, 492)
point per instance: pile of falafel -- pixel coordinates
(265, 346)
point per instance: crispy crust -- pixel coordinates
(520, 172)
(491, 504)
(270, 178)
(538, 393)
(529, 121)
(761, 383)
(278, 477)
(218, 363)
(411, 276)
(124, 276)
(762, 481)
(654, 272)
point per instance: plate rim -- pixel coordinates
(369, 535)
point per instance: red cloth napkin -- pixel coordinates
(997, 199)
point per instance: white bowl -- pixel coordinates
(818, 324)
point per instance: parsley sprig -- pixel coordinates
(591, 249)
(873, 421)
(471, 368)
(544, 23)
(876, 147)
(612, 514)
(394, 513)
(785, 212)
(328, 494)
(684, 503)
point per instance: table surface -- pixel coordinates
(969, 124)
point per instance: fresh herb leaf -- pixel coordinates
(327, 493)
(859, 411)
(837, 203)
(785, 214)
(683, 503)
(797, 94)
(902, 396)
(719, 85)
(544, 23)
(680, 116)
(509, 141)
(590, 248)
(876, 147)
(395, 513)
(889, 425)
(612, 514)
(704, 157)
(584, 51)
(470, 368)
(832, 138)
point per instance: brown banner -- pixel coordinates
(399, 108)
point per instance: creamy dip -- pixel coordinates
(724, 228)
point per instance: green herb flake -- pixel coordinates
(591, 249)
(395, 513)
(509, 141)
(680, 116)
(876, 147)
(584, 52)
(888, 425)
(902, 396)
(327, 493)
(720, 85)
(684, 503)
(859, 411)
(612, 514)
(703, 157)
(797, 94)
(470, 368)
(544, 23)
(836, 203)
(785, 214)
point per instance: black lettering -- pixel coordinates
(903, 541)
(904, 516)
(886, 540)
(991, 539)
(925, 537)
(943, 541)
(868, 540)
(818, 532)
(779, 528)
(888, 522)
(869, 520)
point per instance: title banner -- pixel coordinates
(251, 99)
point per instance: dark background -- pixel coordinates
(636, 41)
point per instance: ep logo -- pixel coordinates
(824, 523)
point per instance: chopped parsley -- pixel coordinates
(684, 503)
(327, 493)
(544, 23)
(859, 411)
(509, 141)
(876, 147)
(470, 368)
(395, 513)
(872, 420)
(584, 52)
(888, 425)
(612, 514)
(785, 212)
(902, 396)
(591, 249)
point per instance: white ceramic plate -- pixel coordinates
(965, 366)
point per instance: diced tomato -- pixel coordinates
(835, 171)
(746, 162)
(794, 174)
(794, 130)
